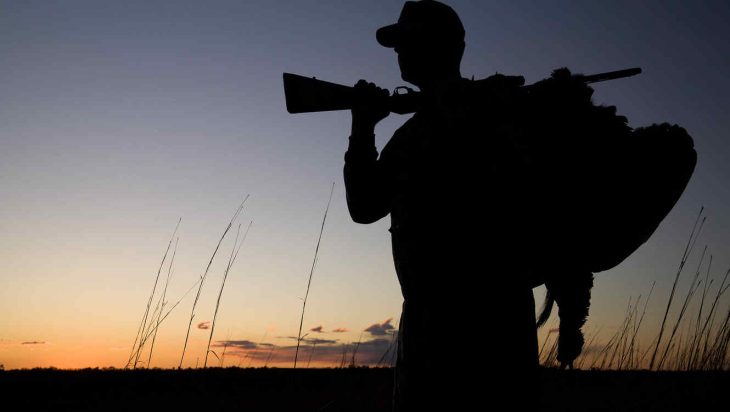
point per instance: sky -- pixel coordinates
(119, 118)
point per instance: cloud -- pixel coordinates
(33, 343)
(373, 351)
(316, 341)
(320, 341)
(204, 325)
(340, 330)
(240, 344)
(317, 329)
(313, 352)
(381, 329)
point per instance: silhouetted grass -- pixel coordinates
(140, 337)
(311, 272)
(205, 275)
(162, 302)
(695, 342)
(231, 261)
(685, 255)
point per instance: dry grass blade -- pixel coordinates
(268, 358)
(391, 347)
(692, 288)
(354, 351)
(159, 322)
(588, 346)
(636, 362)
(256, 351)
(311, 353)
(707, 326)
(205, 275)
(311, 272)
(231, 260)
(687, 251)
(138, 342)
(547, 339)
(697, 337)
(162, 302)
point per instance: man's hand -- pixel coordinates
(369, 108)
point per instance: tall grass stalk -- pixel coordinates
(268, 358)
(231, 260)
(256, 351)
(391, 347)
(394, 355)
(716, 354)
(138, 343)
(687, 251)
(156, 326)
(163, 317)
(707, 326)
(634, 345)
(162, 302)
(620, 335)
(344, 355)
(205, 275)
(547, 339)
(692, 288)
(696, 337)
(582, 357)
(311, 353)
(311, 272)
(354, 351)
(627, 352)
(694, 343)
(225, 347)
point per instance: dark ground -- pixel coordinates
(355, 389)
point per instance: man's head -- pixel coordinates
(429, 40)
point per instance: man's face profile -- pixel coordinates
(421, 62)
(412, 61)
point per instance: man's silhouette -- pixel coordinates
(467, 335)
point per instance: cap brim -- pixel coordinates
(389, 36)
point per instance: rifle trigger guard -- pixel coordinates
(402, 90)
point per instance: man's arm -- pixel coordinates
(366, 182)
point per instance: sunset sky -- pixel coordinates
(117, 118)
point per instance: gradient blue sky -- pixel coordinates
(118, 117)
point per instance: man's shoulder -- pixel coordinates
(399, 141)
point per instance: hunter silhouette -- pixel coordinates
(487, 187)
(456, 243)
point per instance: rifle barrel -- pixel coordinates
(595, 78)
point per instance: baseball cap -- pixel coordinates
(426, 20)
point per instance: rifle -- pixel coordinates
(305, 95)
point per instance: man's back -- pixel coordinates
(454, 258)
(454, 246)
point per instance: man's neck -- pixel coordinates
(438, 85)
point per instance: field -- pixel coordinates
(348, 389)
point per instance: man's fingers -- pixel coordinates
(366, 90)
